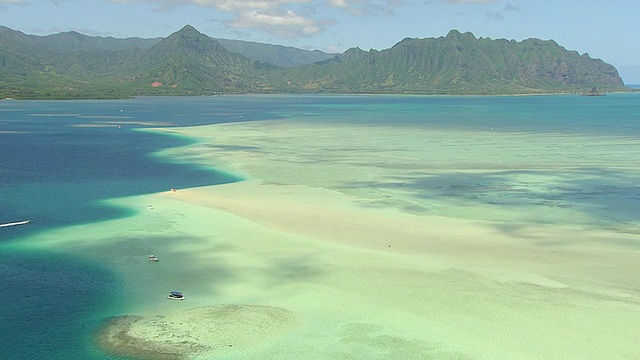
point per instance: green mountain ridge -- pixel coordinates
(458, 63)
(72, 65)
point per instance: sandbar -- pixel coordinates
(374, 243)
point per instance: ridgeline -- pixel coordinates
(75, 66)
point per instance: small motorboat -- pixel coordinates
(153, 258)
(175, 295)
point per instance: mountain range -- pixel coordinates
(73, 65)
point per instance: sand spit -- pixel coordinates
(194, 331)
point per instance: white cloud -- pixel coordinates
(471, 1)
(365, 7)
(289, 18)
(225, 5)
(244, 5)
(287, 24)
(277, 17)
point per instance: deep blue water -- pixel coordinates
(56, 174)
(52, 305)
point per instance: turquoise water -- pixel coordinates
(55, 170)
(55, 173)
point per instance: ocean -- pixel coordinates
(61, 159)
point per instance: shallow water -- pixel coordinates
(568, 160)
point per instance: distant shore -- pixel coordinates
(111, 97)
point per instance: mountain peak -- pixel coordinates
(188, 29)
(455, 34)
(188, 32)
(190, 39)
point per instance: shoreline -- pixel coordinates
(630, 90)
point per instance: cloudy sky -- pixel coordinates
(604, 29)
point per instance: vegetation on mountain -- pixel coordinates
(456, 64)
(191, 63)
(72, 65)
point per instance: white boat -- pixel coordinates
(153, 258)
(23, 222)
(175, 295)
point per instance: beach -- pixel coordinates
(360, 242)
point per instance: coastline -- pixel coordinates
(330, 232)
(429, 94)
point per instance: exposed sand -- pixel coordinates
(335, 233)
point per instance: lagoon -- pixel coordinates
(323, 226)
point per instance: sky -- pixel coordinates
(605, 29)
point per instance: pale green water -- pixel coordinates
(526, 164)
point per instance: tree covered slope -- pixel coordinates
(72, 65)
